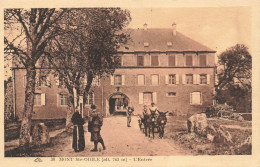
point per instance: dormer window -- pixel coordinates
(169, 43)
(146, 44)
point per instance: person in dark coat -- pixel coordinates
(78, 143)
(93, 109)
(129, 112)
(96, 121)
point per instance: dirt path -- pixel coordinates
(120, 140)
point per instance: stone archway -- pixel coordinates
(118, 103)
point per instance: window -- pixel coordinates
(154, 61)
(63, 99)
(189, 79)
(43, 81)
(188, 60)
(129, 60)
(202, 60)
(172, 79)
(140, 60)
(146, 44)
(118, 80)
(147, 98)
(117, 59)
(203, 79)
(195, 98)
(155, 79)
(37, 99)
(171, 94)
(140, 80)
(90, 98)
(59, 81)
(172, 61)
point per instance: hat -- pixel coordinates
(93, 106)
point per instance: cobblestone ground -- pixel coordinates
(120, 140)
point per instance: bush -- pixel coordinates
(217, 109)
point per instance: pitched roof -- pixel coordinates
(157, 39)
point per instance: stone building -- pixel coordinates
(158, 65)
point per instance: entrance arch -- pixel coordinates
(118, 103)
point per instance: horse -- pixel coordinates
(161, 122)
(141, 121)
(150, 124)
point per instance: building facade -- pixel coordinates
(157, 65)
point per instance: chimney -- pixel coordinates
(145, 27)
(174, 29)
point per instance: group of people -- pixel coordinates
(95, 122)
(130, 111)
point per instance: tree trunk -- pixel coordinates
(25, 131)
(70, 110)
(72, 105)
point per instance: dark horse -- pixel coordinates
(152, 122)
(161, 122)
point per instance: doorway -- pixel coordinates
(118, 103)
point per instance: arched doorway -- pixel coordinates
(118, 103)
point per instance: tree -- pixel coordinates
(86, 49)
(234, 76)
(27, 33)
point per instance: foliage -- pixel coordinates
(213, 110)
(234, 78)
(27, 33)
(86, 48)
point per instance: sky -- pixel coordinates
(216, 27)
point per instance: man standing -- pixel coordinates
(96, 121)
(153, 109)
(129, 112)
(78, 143)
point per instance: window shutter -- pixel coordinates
(197, 79)
(194, 78)
(58, 99)
(190, 98)
(193, 60)
(200, 97)
(208, 79)
(166, 79)
(57, 80)
(177, 78)
(112, 79)
(155, 97)
(183, 79)
(141, 98)
(123, 79)
(43, 99)
(48, 81)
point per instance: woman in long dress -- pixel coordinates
(78, 143)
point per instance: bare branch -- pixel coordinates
(20, 19)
